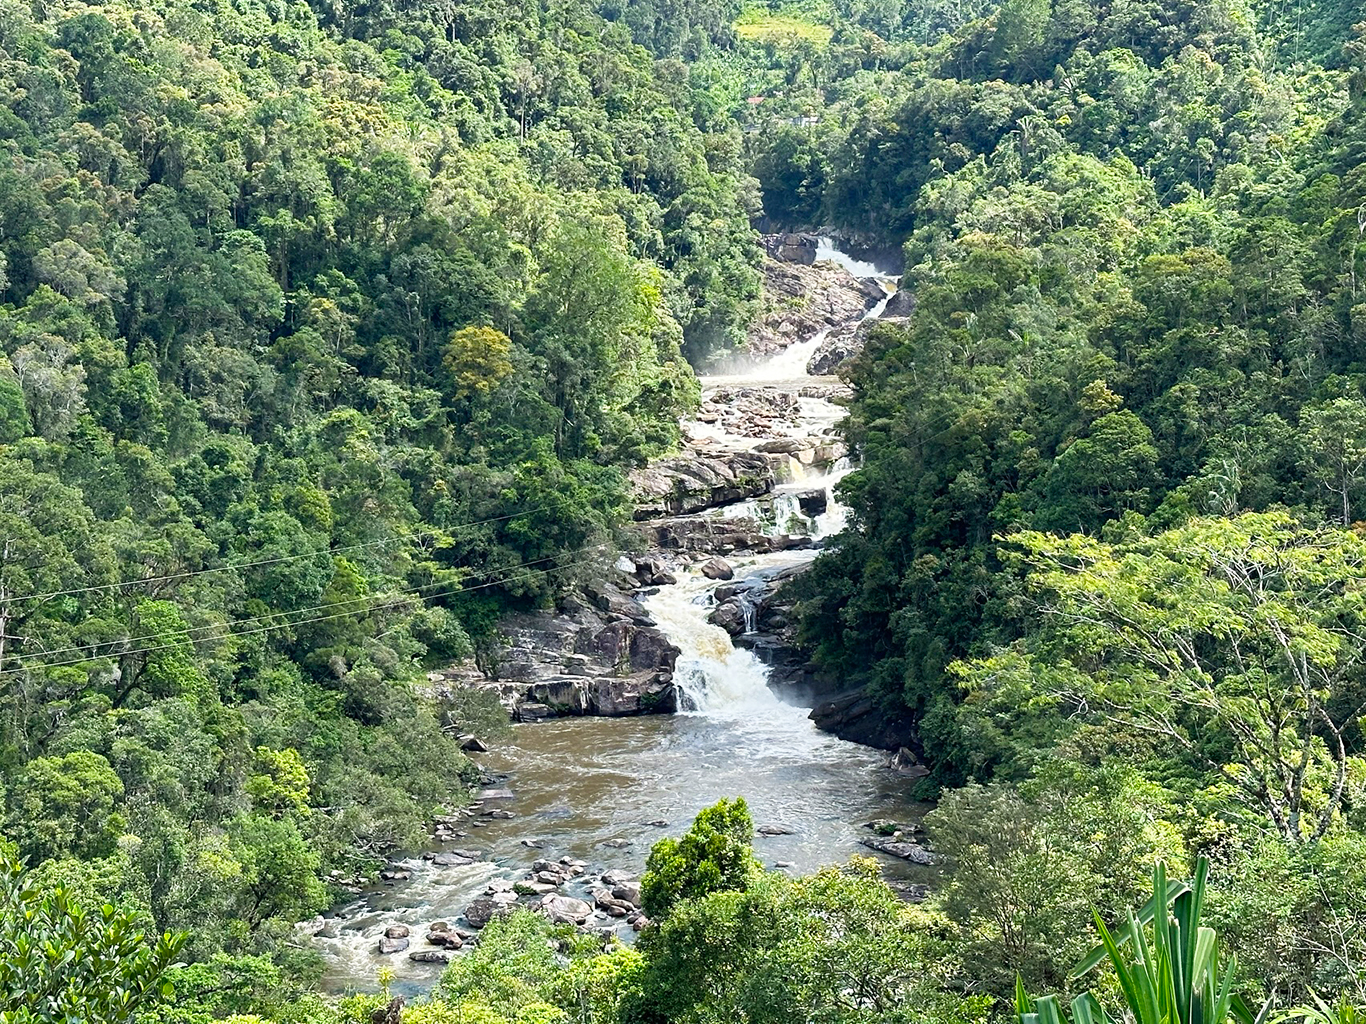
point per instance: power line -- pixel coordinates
(284, 558)
(24, 667)
(90, 647)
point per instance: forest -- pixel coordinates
(331, 331)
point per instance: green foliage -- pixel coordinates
(62, 962)
(833, 946)
(1174, 976)
(714, 855)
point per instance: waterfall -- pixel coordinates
(714, 678)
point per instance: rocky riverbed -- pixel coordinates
(669, 681)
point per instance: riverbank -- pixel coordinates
(661, 689)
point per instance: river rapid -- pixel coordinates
(604, 790)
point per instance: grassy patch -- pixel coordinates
(765, 26)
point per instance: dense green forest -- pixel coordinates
(332, 329)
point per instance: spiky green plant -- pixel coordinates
(1173, 978)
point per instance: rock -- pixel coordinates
(685, 484)
(616, 877)
(717, 569)
(565, 909)
(395, 876)
(730, 616)
(451, 860)
(387, 945)
(494, 794)
(535, 844)
(791, 248)
(901, 304)
(813, 503)
(800, 300)
(780, 446)
(617, 844)
(658, 823)
(640, 923)
(445, 939)
(861, 718)
(480, 912)
(775, 830)
(905, 762)
(604, 900)
(429, 956)
(628, 892)
(531, 711)
(652, 571)
(396, 931)
(913, 852)
(842, 345)
(473, 744)
(616, 604)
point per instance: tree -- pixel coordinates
(60, 962)
(1335, 449)
(66, 807)
(1236, 641)
(837, 946)
(714, 855)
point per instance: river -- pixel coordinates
(604, 790)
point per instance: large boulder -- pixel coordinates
(730, 616)
(861, 718)
(566, 909)
(813, 502)
(717, 569)
(686, 484)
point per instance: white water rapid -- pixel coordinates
(605, 790)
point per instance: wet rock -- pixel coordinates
(858, 717)
(658, 823)
(814, 502)
(628, 892)
(396, 931)
(905, 762)
(616, 604)
(791, 248)
(480, 912)
(842, 345)
(730, 616)
(473, 744)
(901, 304)
(395, 875)
(451, 860)
(717, 569)
(775, 830)
(640, 923)
(913, 852)
(566, 909)
(617, 844)
(533, 711)
(616, 877)
(535, 844)
(652, 571)
(445, 939)
(429, 956)
(388, 946)
(801, 300)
